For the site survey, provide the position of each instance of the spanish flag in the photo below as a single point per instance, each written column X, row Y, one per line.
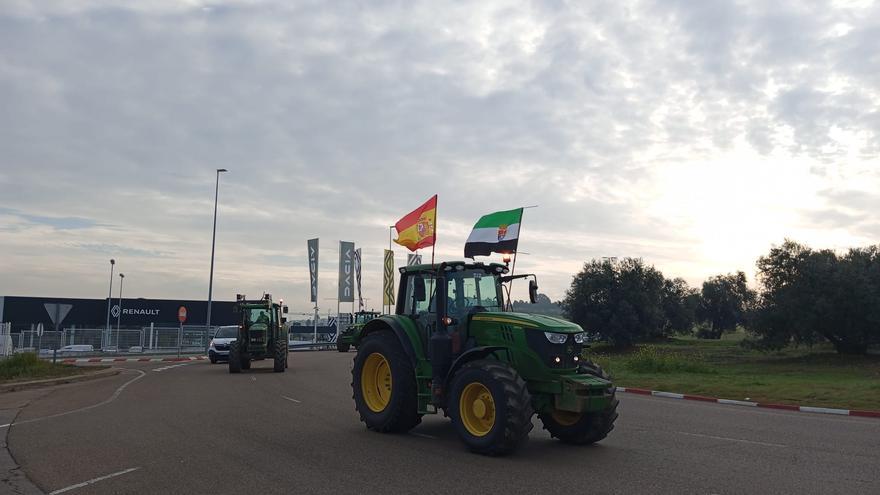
column 416, row 229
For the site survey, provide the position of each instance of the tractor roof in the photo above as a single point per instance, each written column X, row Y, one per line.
column 456, row 265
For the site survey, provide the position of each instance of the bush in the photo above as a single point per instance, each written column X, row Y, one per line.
column 648, row 359
column 28, row 365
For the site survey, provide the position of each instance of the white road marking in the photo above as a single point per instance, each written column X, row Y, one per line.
column 253, row 378
column 739, row 440
column 291, row 399
column 106, row 401
column 173, row 366
column 93, row 481
column 432, row 437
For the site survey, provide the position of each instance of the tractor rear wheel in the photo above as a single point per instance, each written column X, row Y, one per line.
column 583, row 428
column 384, row 384
column 234, row 358
column 490, row 407
column 280, row 356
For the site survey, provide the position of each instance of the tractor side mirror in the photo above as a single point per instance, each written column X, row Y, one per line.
column 283, row 320
column 533, row 291
column 419, row 289
column 284, row 309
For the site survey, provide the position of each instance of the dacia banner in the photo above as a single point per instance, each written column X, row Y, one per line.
column 346, row 271
column 413, row 259
column 388, row 279
column 357, row 277
column 313, row 269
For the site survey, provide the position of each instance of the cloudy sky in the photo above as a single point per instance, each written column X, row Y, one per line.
column 693, row 134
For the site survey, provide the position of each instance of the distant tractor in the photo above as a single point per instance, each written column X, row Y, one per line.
column 451, row 345
column 261, row 334
column 348, row 336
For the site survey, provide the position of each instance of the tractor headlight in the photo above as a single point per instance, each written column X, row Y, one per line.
column 556, row 338
column 580, row 338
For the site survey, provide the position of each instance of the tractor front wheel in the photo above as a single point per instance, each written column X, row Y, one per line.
column 582, row 428
column 384, row 384
column 280, row 356
column 342, row 347
column 234, row 358
column 490, row 407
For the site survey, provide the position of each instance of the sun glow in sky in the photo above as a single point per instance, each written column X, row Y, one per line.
column 694, row 135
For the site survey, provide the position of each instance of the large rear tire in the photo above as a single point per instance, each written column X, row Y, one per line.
column 280, row 356
column 583, row 428
column 384, row 384
column 234, row 358
column 490, row 407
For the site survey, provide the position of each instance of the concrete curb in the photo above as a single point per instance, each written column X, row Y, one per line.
column 131, row 360
column 12, row 387
column 731, row 402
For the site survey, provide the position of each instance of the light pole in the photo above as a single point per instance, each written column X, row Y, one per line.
column 119, row 315
column 213, row 243
column 109, row 298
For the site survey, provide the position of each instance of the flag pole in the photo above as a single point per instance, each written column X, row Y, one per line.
column 436, row 202
column 513, row 266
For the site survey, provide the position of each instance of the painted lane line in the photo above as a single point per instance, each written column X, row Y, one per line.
column 291, row 399
column 112, row 398
column 172, row 366
column 423, row 435
column 728, row 439
column 93, row 481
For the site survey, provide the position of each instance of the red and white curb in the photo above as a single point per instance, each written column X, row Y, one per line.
column 784, row 407
column 132, row 360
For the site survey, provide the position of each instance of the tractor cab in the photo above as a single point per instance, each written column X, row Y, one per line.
column 261, row 333
column 449, row 295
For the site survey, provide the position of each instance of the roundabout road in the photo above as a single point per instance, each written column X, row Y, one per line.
column 194, row 428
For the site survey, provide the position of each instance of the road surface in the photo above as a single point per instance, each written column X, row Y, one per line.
column 194, row 428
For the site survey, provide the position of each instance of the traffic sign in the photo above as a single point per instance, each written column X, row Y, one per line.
column 181, row 314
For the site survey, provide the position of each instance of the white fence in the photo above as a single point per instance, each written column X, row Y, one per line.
column 187, row 339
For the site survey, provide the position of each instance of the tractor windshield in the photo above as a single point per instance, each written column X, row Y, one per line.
column 470, row 290
column 261, row 316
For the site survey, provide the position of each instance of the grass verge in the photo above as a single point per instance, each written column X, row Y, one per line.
column 722, row 368
column 27, row 366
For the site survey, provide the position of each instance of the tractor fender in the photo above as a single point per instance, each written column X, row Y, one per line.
column 384, row 323
column 471, row 355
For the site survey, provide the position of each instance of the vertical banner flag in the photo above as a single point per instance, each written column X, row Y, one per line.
column 388, row 279
column 496, row 232
column 413, row 259
column 313, row 269
column 416, row 229
column 346, row 271
column 357, row 278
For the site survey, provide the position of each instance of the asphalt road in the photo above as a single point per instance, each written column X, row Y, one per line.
column 194, row 428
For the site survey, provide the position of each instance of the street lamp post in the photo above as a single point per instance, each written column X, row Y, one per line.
column 109, row 299
column 119, row 316
column 213, row 243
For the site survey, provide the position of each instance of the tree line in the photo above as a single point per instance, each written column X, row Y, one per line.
column 803, row 297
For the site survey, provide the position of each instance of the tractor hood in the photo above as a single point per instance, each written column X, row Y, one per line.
column 529, row 321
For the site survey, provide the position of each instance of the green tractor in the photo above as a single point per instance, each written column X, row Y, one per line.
column 261, row 334
column 451, row 345
column 348, row 336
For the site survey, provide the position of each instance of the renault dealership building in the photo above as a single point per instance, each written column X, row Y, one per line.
column 58, row 313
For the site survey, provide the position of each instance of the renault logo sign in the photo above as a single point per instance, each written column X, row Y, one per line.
column 115, row 311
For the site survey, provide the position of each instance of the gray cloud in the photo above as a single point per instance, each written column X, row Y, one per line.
column 336, row 119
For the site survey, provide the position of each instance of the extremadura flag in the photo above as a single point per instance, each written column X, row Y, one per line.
column 496, row 232
column 417, row 229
